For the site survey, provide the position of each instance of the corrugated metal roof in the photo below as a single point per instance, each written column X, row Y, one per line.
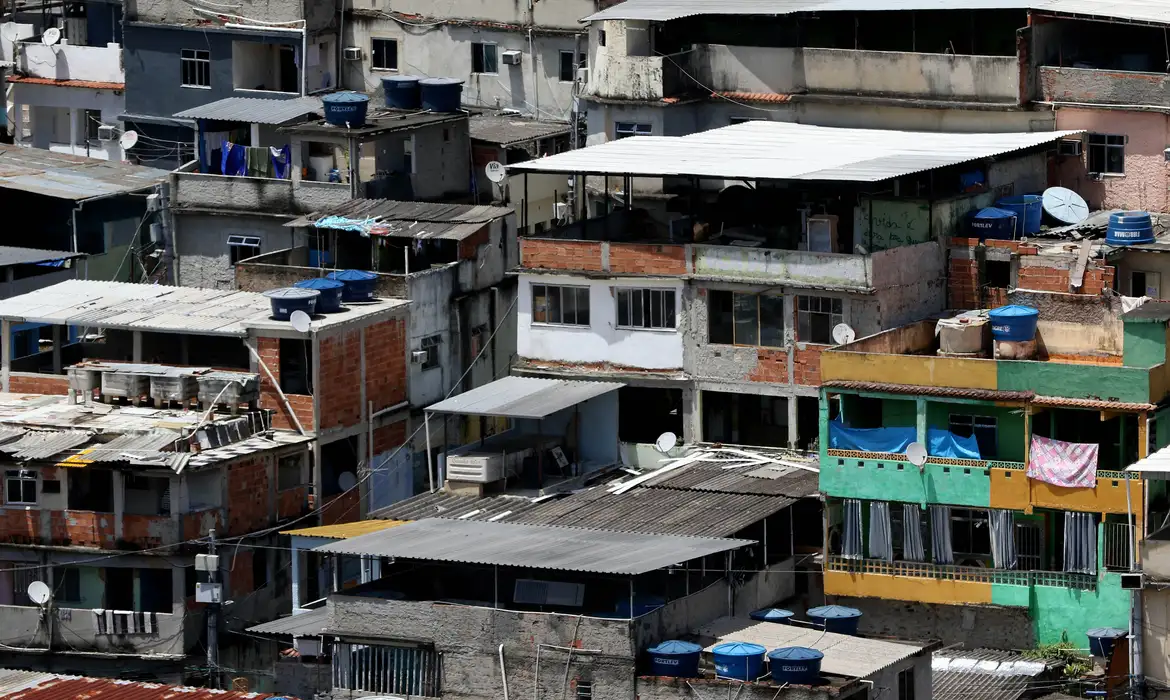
column 845, row 655
column 343, row 531
column 710, row 475
column 306, row 624
column 917, row 390
column 661, row 10
column 70, row 177
column 137, row 444
column 42, row 444
column 508, row 131
column 532, row 546
column 412, row 219
column 522, row 397
column 59, row 687
column 767, row 150
column 987, row 674
column 441, row 504
column 14, row 680
column 1157, row 462
column 656, row 511
column 10, row 255
column 254, row 110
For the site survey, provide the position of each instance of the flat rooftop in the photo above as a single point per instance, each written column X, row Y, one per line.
column 378, row 122
column 71, row 177
column 418, row 220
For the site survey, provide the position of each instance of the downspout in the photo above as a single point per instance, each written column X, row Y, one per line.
column 503, row 672
column 535, row 86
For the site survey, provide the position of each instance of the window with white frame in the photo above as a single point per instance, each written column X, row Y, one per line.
column 983, row 428
column 624, row 130
column 243, row 247
column 384, row 54
column 196, row 68
column 645, row 308
column 816, row 317
column 1107, row 154
column 20, row 487
column 484, row 58
column 567, row 306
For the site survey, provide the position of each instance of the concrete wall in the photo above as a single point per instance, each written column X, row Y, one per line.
column 203, row 253
column 911, row 283
column 63, row 61
column 564, row 15
column 1136, row 260
column 626, row 68
column 973, row 626
column 223, row 193
column 1155, row 641
column 1104, row 87
column 1146, row 182
column 110, row 103
column 317, row 14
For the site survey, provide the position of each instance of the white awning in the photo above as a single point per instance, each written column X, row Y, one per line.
column 523, row 397
column 1155, row 466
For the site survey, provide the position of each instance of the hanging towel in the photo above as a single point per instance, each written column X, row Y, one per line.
column 851, row 539
column 881, row 544
column 1068, row 464
column 259, row 161
column 234, row 160
column 912, row 549
column 1003, row 538
column 280, row 160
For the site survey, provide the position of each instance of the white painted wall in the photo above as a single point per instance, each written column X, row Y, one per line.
column 62, row 61
column 44, row 103
column 602, row 341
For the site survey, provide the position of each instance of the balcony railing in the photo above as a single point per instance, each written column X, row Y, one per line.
column 967, row 463
column 971, row 574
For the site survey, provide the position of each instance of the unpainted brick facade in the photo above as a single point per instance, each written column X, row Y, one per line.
column 970, row 288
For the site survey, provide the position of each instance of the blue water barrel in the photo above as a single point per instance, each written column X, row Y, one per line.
column 993, row 223
column 1102, row 640
column 1013, row 322
column 642, row 604
column 836, row 618
column 286, row 300
column 401, row 91
column 359, row 284
column 795, row 665
column 1129, row 227
column 441, row 94
column 1029, row 211
column 346, row 109
column 675, row 658
column 771, row 615
column 330, row 300
column 738, row 660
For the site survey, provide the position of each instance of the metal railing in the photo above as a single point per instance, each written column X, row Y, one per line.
column 1116, row 545
column 973, row 574
column 953, row 462
column 410, row 671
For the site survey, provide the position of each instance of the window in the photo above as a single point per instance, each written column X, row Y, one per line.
column 50, row 486
column 68, row 584
column 91, row 489
column 289, row 472
column 1107, row 154
column 430, row 345
column 745, row 319
column 93, row 120
column 970, row 533
column 567, row 306
column 645, row 308
column 568, row 69
column 601, row 37
column 999, row 274
column 384, row 54
column 484, row 58
column 296, row 368
column 20, row 487
column 1147, row 284
column 982, row 427
column 815, row 319
column 196, row 68
column 243, row 247
column 584, row 690
column 898, row 529
column 906, row 684
column 1029, row 544
column 622, row 130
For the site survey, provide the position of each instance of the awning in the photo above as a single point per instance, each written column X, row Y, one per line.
column 523, row 397
column 532, row 546
column 1155, row 466
column 344, row 531
column 308, row 624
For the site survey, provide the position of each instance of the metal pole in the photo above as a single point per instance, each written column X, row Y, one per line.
column 631, row 597
column 430, row 463
column 212, row 619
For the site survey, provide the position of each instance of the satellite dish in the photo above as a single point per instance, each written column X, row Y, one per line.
column 495, row 171
column 346, row 481
column 128, row 140
column 39, row 592
column 1064, row 205
column 300, row 321
column 51, row 36
column 666, row 442
column 843, row 333
column 916, row 453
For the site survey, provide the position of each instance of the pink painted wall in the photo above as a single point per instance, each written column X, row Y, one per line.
column 1146, row 181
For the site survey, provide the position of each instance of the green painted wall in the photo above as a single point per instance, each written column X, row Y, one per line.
column 874, row 479
column 1129, row 384
column 899, row 414
column 1145, row 344
column 1009, row 425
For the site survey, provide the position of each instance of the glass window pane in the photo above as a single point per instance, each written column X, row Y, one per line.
column 582, row 306
column 568, row 305
column 623, row 307
column 489, row 59
column 654, row 303
column 747, row 319
column 772, row 321
column 539, row 303
column 668, row 309
column 555, row 314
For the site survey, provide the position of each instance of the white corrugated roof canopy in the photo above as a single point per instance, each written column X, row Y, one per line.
column 523, row 397
column 765, row 150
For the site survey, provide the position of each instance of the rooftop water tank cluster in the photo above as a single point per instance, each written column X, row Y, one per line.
column 414, row 93
column 322, row 295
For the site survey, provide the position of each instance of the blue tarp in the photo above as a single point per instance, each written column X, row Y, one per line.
column 943, row 443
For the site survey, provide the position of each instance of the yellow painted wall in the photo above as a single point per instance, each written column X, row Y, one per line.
column 1105, row 498
column 908, row 369
column 1009, row 489
column 920, row 590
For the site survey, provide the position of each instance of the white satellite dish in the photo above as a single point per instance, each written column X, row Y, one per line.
column 495, row 171
column 51, row 36
column 346, row 481
column 128, row 140
column 300, row 321
column 666, row 442
column 916, row 453
column 843, row 333
column 39, row 592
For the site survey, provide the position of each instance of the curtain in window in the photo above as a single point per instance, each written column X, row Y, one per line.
column 1080, row 543
column 881, row 544
column 1003, row 538
column 851, row 541
column 940, row 535
column 912, row 549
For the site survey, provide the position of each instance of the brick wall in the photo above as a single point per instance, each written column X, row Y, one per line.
column 1097, row 280
column 27, row 383
column 963, row 285
column 806, row 365
column 148, row 530
column 20, row 526
column 389, row 437
column 248, row 491
column 1042, row 279
column 343, row 508
column 545, row 254
column 196, row 525
column 385, row 363
column 771, row 366
column 292, row 502
column 468, row 246
column 339, row 380
column 79, row 528
column 647, row 259
column 269, row 351
column 240, row 581
column 1040, row 273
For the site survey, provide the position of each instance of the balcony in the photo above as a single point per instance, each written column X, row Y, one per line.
column 228, row 193
column 80, row 630
column 96, row 64
column 1104, row 87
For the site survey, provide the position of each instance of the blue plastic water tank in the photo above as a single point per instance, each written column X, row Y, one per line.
column 359, row 284
column 401, row 91
column 1129, row 227
column 772, row 615
column 441, row 94
column 286, row 300
column 993, row 223
column 675, row 658
column 1102, row 640
column 836, row 618
column 739, row 660
column 330, row 300
column 795, row 665
column 1029, row 211
column 642, row 604
column 1013, row 322
column 346, row 109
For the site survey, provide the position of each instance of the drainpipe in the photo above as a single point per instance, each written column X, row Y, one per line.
column 535, row 86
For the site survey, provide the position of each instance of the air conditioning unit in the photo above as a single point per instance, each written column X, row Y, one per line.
column 1131, row 581
column 583, row 75
column 352, row 53
column 1069, row 147
column 418, row 356
column 107, row 133
column 512, row 58
column 561, row 210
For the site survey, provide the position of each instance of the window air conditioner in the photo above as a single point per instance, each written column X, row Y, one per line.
column 583, row 75
column 352, row 53
column 107, row 133
column 418, row 356
column 512, row 58
column 1069, row 147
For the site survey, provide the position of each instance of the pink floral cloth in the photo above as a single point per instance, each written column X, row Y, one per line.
column 1069, row 464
